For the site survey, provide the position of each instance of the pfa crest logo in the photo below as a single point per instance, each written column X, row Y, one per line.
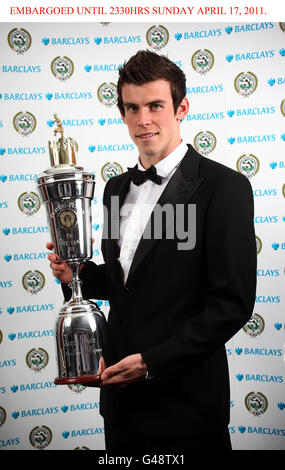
column 258, row 244
column 157, row 37
column 282, row 107
column 29, row 203
column 246, row 83
column 202, row 61
column 107, row 94
column 40, row 437
column 2, row 416
column 37, row 359
column 205, row 142
column 255, row 326
column 256, row 403
column 24, row 123
column 62, row 68
column 111, row 169
column 248, row 165
column 19, row 40
column 33, row 281
column 77, row 388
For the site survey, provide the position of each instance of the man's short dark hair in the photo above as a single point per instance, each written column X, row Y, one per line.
column 147, row 66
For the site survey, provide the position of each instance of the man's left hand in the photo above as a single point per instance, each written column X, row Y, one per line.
column 128, row 370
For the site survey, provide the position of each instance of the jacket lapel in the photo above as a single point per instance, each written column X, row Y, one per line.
column 179, row 190
column 112, row 218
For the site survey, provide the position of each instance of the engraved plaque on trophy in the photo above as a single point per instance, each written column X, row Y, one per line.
column 67, row 192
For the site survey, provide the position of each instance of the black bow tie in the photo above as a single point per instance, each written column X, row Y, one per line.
column 138, row 177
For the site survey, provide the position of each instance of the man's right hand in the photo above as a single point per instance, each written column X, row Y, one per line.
column 60, row 270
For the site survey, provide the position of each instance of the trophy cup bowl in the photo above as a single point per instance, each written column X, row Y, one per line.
column 67, row 192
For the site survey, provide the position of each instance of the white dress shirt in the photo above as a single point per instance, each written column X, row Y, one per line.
column 139, row 204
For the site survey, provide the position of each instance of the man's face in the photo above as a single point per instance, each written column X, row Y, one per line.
column 152, row 124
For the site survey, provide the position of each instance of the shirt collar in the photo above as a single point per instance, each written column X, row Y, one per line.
column 165, row 166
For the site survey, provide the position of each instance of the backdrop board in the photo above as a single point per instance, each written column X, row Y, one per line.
column 236, row 89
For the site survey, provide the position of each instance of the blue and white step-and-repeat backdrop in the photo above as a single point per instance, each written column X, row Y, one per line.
column 236, row 89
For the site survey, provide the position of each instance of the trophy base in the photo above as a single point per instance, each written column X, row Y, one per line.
column 82, row 379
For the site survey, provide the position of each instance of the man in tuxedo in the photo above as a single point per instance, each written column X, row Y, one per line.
column 180, row 280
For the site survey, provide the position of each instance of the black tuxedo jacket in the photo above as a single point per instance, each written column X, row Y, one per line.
column 178, row 308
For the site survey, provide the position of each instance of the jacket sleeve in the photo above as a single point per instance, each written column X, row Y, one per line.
column 95, row 283
column 230, row 252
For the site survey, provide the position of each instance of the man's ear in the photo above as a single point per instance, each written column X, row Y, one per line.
column 182, row 109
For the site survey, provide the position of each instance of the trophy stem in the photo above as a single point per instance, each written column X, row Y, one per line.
column 76, row 284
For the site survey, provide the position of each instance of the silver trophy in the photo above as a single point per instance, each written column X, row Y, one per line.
column 67, row 191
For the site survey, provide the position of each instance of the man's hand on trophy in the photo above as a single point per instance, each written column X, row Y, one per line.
column 127, row 371
column 60, row 270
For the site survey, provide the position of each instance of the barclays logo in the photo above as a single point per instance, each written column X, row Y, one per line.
column 13, row 441
column 74, row 122
column 278, row 81
column 268, row 219
column 21, row 68
column 6, row 284
column 6, row 363
column 242, row 28
column 276, row 246
column 31, row 387
column 25, row 256
column 279, row 326
column 205, row 116
column 263, row 299
column 268, row 192
column 268, row 273
column 83, row 432
column 118, row 40
column 80, row 407
column 252, row 139
column 264, row 431
column 22, row 96
column 35, row 412
column 66, row 41
column 31, row 334
column 28, row 230
column 210, row 33
column 23, row 151
column 260, row 378
column 274, row 165
column 255, row 55
column 69, row 95
column 251, row 111
column 112, row 148
column 110, row 121
column 102, row 67
column 259, row 352
column 17, row 178
column 205, row 89
column 30, row 308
